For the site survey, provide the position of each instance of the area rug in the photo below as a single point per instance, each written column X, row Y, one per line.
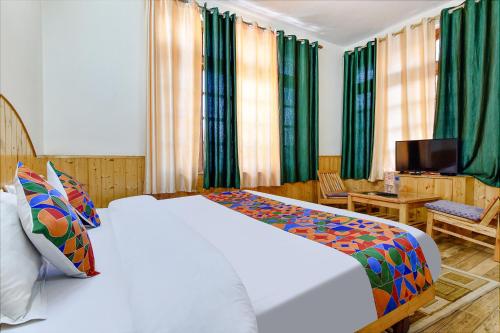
column 455, row 289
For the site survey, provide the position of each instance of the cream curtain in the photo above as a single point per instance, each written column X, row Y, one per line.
column 174, row 96
column 405, row 92
column 257, row 106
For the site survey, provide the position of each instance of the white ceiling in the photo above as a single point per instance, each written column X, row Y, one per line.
column 339, row 22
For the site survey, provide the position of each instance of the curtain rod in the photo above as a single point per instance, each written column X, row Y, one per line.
column 360, row 47
column 412, row 26
column 242, row 20
column 462, row 5
column 451, row 10
column 270, row 28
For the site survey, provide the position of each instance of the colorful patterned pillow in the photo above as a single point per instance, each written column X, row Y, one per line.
column 74, row 192
column 52, row 225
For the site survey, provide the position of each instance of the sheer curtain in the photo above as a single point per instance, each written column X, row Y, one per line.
column 405, row 92
column 257, row 106
column 174, row 96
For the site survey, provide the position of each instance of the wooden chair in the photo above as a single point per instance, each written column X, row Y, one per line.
column 331, row 189
column 481, row 227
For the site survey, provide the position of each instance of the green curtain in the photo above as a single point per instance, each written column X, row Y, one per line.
column 298, row 107
column 358, row 111
column 468, row 97
column 221, row 146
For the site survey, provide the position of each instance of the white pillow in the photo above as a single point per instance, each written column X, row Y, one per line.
column 22, row 295
column 11, row 188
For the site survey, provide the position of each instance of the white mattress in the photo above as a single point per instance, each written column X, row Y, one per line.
column 155, row 277
column 294, row 284
column 97, row 304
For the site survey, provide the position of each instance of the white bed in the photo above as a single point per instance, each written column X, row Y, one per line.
column 294, row 284
column 158, row 274
column 154, row 278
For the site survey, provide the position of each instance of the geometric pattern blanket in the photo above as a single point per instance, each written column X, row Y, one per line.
column 391, row 257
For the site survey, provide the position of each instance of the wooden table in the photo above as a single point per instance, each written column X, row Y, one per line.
column 403, row 202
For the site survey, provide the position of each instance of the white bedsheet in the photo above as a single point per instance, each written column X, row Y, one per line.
column 294, row 284
column 97, row 304
column 157, row 275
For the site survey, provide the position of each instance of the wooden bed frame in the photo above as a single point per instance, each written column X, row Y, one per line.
column 15, row 145
column 398, row 319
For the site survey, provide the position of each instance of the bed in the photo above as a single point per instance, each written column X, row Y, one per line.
column 288, row 283
column 192, row 265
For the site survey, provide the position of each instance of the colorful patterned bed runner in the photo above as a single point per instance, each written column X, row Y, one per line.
column 392, row 258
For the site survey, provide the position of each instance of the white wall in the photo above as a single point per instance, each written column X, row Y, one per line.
column 21, row 62
column 331, row 69
column 93, row 56
column 331, row 79
column 94, row 77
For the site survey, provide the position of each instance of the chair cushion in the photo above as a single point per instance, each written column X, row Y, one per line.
column 337, row 195
column 457, row 209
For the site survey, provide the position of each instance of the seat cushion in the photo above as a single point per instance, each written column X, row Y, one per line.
column 457, row 209
column 337, row 195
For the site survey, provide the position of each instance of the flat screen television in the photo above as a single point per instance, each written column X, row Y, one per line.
column 438, row 155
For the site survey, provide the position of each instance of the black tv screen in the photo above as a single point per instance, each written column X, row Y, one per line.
column 440, row 155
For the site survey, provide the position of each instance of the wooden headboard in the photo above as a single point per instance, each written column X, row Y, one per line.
column 15, row 142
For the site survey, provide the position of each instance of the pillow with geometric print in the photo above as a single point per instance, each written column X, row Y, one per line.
column 74, row 192
column 52, row 225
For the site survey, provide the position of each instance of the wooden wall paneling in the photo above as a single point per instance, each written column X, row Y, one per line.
column 407, row 184
column 82, row 171
column 21, row 156
column 95, row 181
column 484, row 194
column 330, row 163
column 131, row 177
column 110, row 177
column 363, row 185
column 463, row 189
column 424, row 186
column 490, row 193
column 107, row 181
column 443, row 188
column 119, row 178
column 11, row 156
column 469, row 190
column 141, row 170
column 459, row 190
column 67, row 165
column 40, row 165
column 480, row 194
column 3, row 142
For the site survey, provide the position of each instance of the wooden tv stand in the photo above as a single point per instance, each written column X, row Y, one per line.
column 455, row 188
